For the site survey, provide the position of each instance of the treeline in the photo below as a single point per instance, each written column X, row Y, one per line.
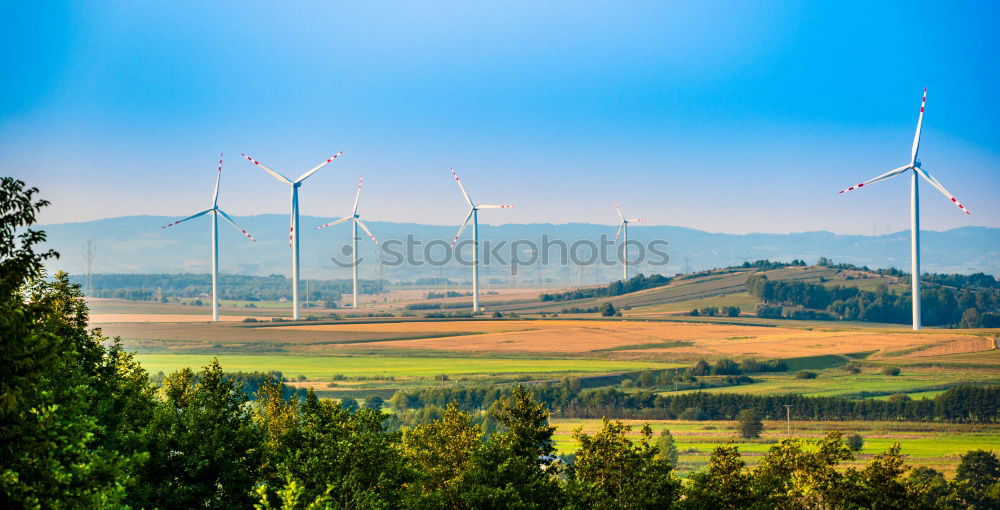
column 152, row 287
column 967, row 307
column 616, row 288
column 980, row 404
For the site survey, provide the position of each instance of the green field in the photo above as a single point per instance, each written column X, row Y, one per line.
column 325, row 367
column 936, row 445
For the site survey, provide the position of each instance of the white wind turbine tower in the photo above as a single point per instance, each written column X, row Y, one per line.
column 215, row 238
column 354, row 237
column 293, row 229
column 623, row 229
column 915, row 169
column 474, row 216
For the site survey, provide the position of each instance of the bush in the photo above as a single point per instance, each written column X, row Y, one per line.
column 726, row 366
column 249, row 319
column 374, row 402
column 805, row 374
column 700, row 368
column 607, row 309
column 732, row 311
column 768, row 311
column 891, row 371
column 750, row 424
column 853, row 367
column 441, row 377
column 694, row 312
column 710, row 311
column 855, row 442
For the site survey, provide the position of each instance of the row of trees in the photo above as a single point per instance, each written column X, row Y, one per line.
column 979, row 404
column 941, row 306
column 149, row 287
column 616, row 288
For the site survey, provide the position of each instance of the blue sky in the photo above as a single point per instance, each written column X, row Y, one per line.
column 722, row 116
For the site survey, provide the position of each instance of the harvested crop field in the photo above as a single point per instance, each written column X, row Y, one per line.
column 634, row 339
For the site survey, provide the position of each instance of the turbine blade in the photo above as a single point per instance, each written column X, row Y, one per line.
column 218, row 177
column 369, row 232
column 636, row 220
column 276, row 175
column 620, row 227
column 920, row 123
column 357, row 196
column 503, row 206
column 934, row 182
column 886, row 175
column 317, row 167
column 233, row 223
column 341, row 220
column 193, row 216
column 462, row 228
column 464, row 193
column 619, row 211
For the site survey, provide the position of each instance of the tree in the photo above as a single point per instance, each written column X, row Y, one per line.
column 607, row 309
column 700, row 368
column 374, row 403
column 979, row 469
column 723, row 485
column 750, row 425
column 970, row 319
column 613, row 472
column 204, row 445
column 441, row 454
column 515, row 468
column 891, row 371
column 855, row 442
column 70, row 407
column 726, row 366
column 667, row 448
column 733, row 311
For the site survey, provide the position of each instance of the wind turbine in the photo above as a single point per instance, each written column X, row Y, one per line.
column 623, row 229
column 915, row 168
column 354, row 238
column 474, row 216
column 215, row 237
column 293, row 229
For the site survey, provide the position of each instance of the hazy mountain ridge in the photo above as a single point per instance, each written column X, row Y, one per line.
column 137, row 244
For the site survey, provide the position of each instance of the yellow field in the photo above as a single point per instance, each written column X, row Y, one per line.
column 636, row 339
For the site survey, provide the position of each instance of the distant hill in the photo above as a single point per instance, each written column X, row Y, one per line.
column 137, row 244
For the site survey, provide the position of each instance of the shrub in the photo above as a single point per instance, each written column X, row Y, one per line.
column 768, row 311
column 853, row 367
column 726, row 366
column 249, row 319
column 693, row 312
column 733, row 311
column 607, row 309
column 855, row 442
column 891, row 371
column 441, row 377
column 700, row 368
column 710, row 311
column 750, row 424
column 805, row 374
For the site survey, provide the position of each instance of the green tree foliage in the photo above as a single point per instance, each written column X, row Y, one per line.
column 617, row 288
column 855, row 442
column 613, row 472
column 667, row 447
column 749, row 424
column 204, row 446
column 607, row 309
column 71, row 402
